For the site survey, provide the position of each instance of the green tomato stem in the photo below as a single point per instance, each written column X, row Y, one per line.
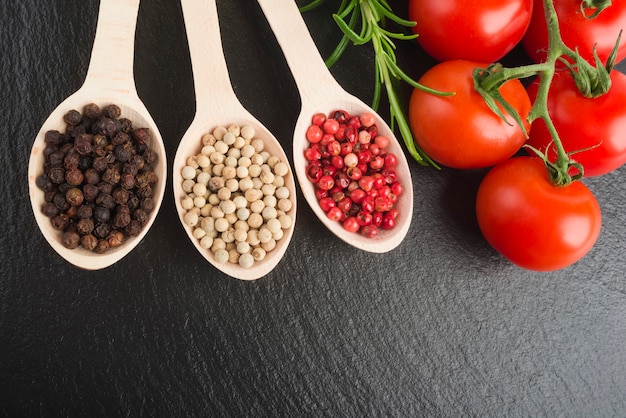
column 591, row 81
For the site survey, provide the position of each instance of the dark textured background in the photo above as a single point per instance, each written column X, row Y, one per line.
column 440, row 326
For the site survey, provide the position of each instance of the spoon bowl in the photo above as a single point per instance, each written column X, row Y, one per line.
column 109, row 80
column 218, row 106
column 320, row 93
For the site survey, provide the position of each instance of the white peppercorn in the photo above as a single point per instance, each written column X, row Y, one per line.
column 253, row 237
column 187, row 202
column 221, row 224
column 188, row 172
column 208, row 139
column 281, row 169
column 255, row 220
column 221, row 255
column 246, row 260
column 206, row 242
column 190, row 218
column 224, row 194
column 199, row 233
column 258, row 254
column 219, row 132
column 228, row 206
column 203, row 178
column 269, row 245
column 247, row 132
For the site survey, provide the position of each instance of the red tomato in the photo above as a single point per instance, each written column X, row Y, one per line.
column 577, row 31
column 597, row 126
column 483, row 30
column 531, row 222
column 460, row 131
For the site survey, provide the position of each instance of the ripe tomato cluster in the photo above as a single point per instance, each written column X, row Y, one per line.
column 522, row 213
column 353, row 171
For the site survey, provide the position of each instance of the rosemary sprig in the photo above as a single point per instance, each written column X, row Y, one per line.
column 365, row 23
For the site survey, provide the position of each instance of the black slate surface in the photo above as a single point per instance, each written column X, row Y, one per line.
column 440, row 326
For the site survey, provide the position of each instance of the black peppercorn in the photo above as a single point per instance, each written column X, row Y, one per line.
column 123, row 152
column 70, row 239
column 43, row 182
column 120, row 196
column 71, row 160
column 85, row 162
column 56, row 175
column 92, row 111
column 56, row 158
column 131, row 168
column 147, row 204
column 138, row 162
column 66, row 147
column 104, row 126
column 90, row 192
column 102, row 230
column 125, row 125
column 127, row 181
column 105, row 200
column 61, row 222
column 74, row 197
column 141, row 136
column 121, row 219
column 100, row 141
column 71, row 212
column 53, row 138
column 89, row 242
column 150, row 156
column 50, row 210
column 120, row 137
column 101, row 214
column 115, row 239
column 141, row 216
column 111, row 175
column 74, row 177
column 60, row 202
column 75, row 131
column 92, row 176
column 72, row 117
column 83, row 144
column 133, row 201
column 64, row 187
column 100, row 164
column 48, row 196
column 145, row 192
column 84, row 212
column 84, row 226
column 112, row 111
column 102, row 246
column 133, row 228
column 106, row 188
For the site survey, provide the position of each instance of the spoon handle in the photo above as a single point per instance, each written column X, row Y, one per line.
column 307, row 65
column 112, row 56
column 210, row 72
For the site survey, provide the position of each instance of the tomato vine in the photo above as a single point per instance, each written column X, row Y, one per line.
column 592, row 80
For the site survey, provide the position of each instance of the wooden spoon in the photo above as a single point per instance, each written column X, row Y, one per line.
column 320, row 92
column 217, row 105
column 109, row 80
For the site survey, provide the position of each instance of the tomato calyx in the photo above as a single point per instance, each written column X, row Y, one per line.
column 597, row 5
column 593, row 81
column 563, row 171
